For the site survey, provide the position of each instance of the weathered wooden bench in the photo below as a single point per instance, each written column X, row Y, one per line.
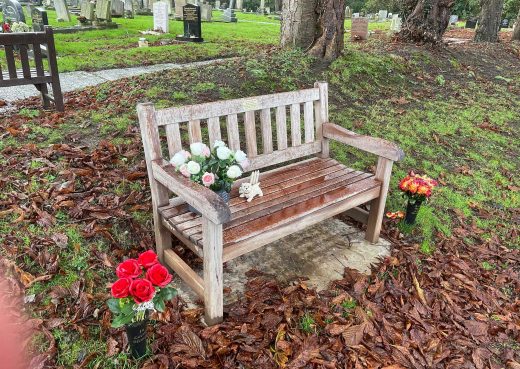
column 295, row 196
column 38, row 76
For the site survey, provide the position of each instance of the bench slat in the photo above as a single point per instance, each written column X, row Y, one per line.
column 281, row 156
column 281, row 127
column 38, row 60
column 173, row 137
column 219, row 108
column 267, row 134
column 16, row 81
column 214, row 130
column 25, row 61
column 250, row 129
column 11, row 67
column 232, row 132
column 194, row 131
column 296, row 132
column 308, row 119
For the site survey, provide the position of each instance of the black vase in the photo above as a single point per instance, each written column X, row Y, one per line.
column 136, row 333
column 222, row 193
column 412, row 209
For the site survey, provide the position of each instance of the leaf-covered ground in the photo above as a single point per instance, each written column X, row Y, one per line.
column 74, row 202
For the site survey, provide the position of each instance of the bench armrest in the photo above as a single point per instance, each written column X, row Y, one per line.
column 369, row 144
column 201, row 198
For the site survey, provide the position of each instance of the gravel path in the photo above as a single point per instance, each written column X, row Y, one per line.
column 77, row 80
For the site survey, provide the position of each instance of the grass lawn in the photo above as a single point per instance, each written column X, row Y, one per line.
column 103, row 49
column 74, row 197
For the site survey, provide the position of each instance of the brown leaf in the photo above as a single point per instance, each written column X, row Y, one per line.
column 192, row 341
column 309, row 351
column 353, row 335
column 112, row 347
column 60, row 239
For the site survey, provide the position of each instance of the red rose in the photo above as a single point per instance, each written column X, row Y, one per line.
column 142, row 290
column 147, row 259
column 159, row 275
column 120, row 287
column 128, row 269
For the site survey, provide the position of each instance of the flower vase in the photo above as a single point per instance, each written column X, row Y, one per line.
column 225, row 195
column 136, row 333
column 412, row 209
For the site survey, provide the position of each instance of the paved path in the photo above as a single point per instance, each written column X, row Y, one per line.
column 77, row 80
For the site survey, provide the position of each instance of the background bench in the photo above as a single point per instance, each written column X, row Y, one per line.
column 37, row 76
column 291, row 125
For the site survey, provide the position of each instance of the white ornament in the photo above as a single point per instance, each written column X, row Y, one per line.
column 251, row 189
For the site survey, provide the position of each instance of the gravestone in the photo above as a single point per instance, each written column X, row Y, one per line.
column 348, row 12
column 179, row 4
column 117, row 8
column 229, row 16
column 395, row 26
column 454, row 19
column 239, row 4
column 87, row 11
column 12, row 12
column 217, row 4
column 36, row 2
column 355, row 15
column 160, row 17
column 382, row 15
column 103, row 10
column 205, row 12
column 192, row 24
column 504, row 23
column 62, row 11
column 359, row 29
column 129, row 9
column 471, row 23
column 39, row 19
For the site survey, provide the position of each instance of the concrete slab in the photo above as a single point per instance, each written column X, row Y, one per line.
column 320, row 253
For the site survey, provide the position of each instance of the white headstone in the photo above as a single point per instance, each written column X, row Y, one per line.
column 160, row 17
column 205, row 12
column 395, row 26
column 178, row 8
column 355, row 15
column 217, row 4
column 382, row 15
column 62, row 11
column 454, row 19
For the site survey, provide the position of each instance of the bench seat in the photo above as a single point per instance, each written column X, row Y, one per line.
column 295, row 197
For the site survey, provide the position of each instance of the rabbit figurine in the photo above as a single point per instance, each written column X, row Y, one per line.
column 251, row 189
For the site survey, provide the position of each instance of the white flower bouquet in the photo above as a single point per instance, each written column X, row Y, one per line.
column 216, row 169
column 19, row 27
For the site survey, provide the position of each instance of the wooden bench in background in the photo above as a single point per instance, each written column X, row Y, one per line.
column 296, row 195
column 37, row 76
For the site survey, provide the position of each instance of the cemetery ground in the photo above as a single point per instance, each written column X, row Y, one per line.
column 75, row 202
column 117, row 48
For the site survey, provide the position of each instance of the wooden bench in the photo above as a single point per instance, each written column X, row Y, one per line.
column 38, row 76
column 295, row 196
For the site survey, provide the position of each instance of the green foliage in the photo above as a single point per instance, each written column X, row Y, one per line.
column 307, row 323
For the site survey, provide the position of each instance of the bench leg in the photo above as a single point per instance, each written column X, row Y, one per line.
column 44, row 92
column 57, row 95
column 213, row 270
column 377, row 206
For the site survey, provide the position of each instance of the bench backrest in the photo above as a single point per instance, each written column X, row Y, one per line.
column 27, row 75
column 271, row 129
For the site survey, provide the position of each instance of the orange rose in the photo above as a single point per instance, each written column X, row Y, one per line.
column 422, row 190
column 412, row 188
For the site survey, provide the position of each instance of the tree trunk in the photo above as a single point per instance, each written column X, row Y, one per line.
column 489, row 21
column 427, row 21
column 516, row 30
column 316, row 26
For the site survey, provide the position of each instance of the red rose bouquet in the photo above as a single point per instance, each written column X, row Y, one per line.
column 417, row 188
column 143, row 284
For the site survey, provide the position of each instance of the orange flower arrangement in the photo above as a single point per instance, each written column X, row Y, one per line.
column 417, row 187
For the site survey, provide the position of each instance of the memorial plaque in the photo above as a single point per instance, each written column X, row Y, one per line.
column 12, row 12
column 39, row 19
column 160, row 17
column 359, row 29
column 192, row 24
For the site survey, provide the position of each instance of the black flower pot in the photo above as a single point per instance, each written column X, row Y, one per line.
column 225, row 195
column 136, row 333
column 412, row 209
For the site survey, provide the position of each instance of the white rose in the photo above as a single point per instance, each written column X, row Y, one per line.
column 240, row 156
column 233, row 171
column 196, row 148
column 178, row 159
column 193, row 167
column 219, row 143
column 223, row 153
